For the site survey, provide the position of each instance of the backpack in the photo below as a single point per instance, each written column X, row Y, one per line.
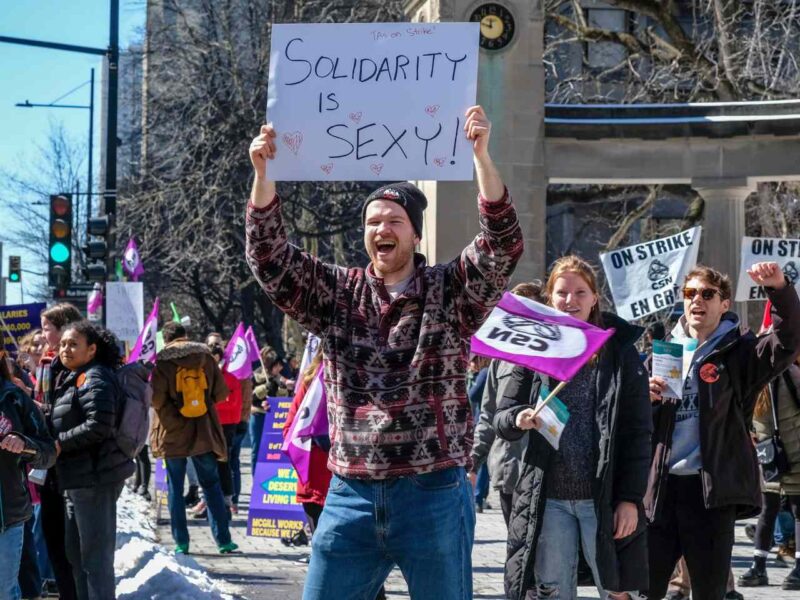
column 191, row 384
column 133, row 424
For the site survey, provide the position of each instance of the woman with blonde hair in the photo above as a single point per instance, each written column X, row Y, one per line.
column 590, row 490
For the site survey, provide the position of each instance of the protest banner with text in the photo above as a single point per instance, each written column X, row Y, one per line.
column 274, row 510
column 785, row 252
column 372, row 101
column 19, row 320
column 646, row 278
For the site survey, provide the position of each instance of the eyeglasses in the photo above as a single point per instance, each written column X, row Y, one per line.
column 706, row 294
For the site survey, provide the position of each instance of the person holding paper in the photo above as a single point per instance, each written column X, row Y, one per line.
column 395, row 337
column 704, row 473
column 590, row 490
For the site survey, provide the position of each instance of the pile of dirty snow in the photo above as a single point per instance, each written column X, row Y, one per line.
column 147, row 571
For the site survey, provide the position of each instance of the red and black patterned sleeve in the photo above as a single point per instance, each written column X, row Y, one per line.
column 485, row 266
column 299, row 284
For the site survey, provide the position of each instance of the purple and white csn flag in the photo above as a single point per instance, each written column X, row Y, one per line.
column 311, row 420
column 252, row 344
column 145, row 347
column 131, row 261
column 538, row 337
column 237, row 355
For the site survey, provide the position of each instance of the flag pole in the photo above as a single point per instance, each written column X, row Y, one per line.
column 550, row 396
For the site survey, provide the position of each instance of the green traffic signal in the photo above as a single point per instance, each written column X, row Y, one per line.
column 14, row 277
column 59, row 253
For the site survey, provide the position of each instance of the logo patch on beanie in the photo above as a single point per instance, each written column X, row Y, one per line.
column 390, row 194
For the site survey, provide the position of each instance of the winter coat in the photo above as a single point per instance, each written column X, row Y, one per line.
column 622, row 455
column 172, row 435
column 18, row 414
column 229, row 410
column 504, row 458
column 319, row 477
column 267, row 386
column 736, row 370
column 84, row 420
column 788, row 395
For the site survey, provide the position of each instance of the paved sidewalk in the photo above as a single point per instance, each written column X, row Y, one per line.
column 267, row 570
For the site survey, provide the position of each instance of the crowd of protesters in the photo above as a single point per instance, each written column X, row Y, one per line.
column 643, row 489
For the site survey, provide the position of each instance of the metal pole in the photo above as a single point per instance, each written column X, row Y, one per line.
column 110, row 191
column 89, row 183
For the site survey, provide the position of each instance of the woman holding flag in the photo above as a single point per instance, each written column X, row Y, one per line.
column 590, row 489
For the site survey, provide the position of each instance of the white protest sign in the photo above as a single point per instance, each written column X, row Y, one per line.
column 125, row 309
column 782, row 251
column 646, row 277
column 372, row 101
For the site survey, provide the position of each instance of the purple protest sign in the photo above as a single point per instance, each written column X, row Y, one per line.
column 145, row 347
column 237, row 355
column 310, row 420
column 538, row 337
column 274, row 510
column 132, row 261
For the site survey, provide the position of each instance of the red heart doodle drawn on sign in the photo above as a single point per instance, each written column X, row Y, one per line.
column 355, row 117
column 376, row 168
column 432, row 109
column 440, row 162
column 327, row 168
column 293, row 141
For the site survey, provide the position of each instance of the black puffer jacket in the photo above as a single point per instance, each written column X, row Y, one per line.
column 84, row 419
column 18, row 414
column 621, row 455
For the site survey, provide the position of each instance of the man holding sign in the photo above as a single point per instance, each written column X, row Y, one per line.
column 395, row 338
column 704, row 473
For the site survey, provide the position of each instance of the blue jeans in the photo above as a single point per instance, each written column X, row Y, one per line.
column 425, row 524
column 255, row 428
column 11, row 553
column 45, row 568
column 784, row 527
column 566, row 523
column 208, row 476
column 236, row 465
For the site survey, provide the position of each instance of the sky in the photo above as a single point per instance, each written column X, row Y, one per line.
column 41, row 75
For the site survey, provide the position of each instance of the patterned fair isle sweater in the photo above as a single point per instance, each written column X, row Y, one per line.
column 394, row 369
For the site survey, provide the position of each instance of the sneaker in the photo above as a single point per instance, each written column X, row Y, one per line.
column 182, row 549
column 733, row 595
column 676, row 595
column 753, row 577
column 303, row 560
column 228, row 548
column 203, row 514
column 750, row 531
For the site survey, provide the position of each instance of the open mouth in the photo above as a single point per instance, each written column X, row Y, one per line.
column 384, row 247
column 697, row 312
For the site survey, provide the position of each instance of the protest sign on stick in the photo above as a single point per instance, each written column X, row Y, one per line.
column 372, row 101
column 540, row 338
column 785, row 252
column 645, row 278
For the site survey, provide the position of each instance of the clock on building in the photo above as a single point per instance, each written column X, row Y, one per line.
column 497, row 25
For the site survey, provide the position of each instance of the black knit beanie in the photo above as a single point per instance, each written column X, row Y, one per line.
column 407, row 195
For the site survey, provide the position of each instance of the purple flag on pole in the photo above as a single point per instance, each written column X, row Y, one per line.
column 252, row 344
column 237, row 355
column 131, row 261
column 538, row 337
column 145, row 347
column 95, row 303
column 310, row 420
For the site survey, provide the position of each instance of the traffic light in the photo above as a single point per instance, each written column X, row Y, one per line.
column 97, row 249
column 59, row 255
column 14, row 269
